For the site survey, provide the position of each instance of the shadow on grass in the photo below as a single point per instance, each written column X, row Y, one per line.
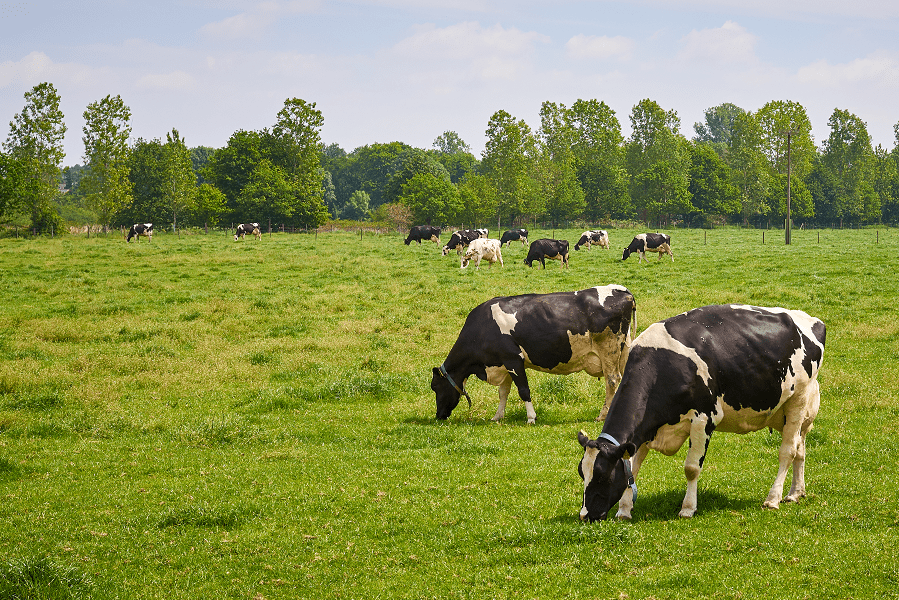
column 42, row 578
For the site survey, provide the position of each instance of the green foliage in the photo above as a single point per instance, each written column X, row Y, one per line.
column 431, row 199
column 356, row 207
column 711, row 189
column 180, row 182
column 508, row 165
column 105, row 183
column 35, row 143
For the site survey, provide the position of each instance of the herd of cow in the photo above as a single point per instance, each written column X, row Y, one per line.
column 474, row 245
column 731, row 368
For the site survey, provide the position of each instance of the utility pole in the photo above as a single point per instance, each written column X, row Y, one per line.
column 790, row 133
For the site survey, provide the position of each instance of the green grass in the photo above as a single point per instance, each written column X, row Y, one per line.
column 202, row 418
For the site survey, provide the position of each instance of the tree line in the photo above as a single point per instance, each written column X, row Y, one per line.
column 575, row 165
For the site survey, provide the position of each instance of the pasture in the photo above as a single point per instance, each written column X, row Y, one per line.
column 202, row 418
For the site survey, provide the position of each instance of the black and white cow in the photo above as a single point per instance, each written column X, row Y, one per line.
column 559, row 333
column 649, row 242
column 423, row 232
column 482, row 248
column 597, row 237
column 244, row 228
column 139, row 229
column 514, row 234
column 482, row 232
column 728, row 368
column 546, row 248
column 460, row 240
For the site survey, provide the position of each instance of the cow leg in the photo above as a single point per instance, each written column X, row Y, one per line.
column 516, row 372
column 626, row 504
column 504, row 387
column 797, row 489
column 499, row 255
column 699, row 443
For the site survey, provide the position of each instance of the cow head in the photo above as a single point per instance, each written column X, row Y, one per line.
column 627, row 252
column 447, row 395
column 605, row 478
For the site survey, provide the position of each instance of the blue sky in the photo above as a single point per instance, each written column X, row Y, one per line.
column 386, row 70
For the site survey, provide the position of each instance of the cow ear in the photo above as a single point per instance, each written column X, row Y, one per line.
column 628, row 449
column 437, row 372
column 582, row 438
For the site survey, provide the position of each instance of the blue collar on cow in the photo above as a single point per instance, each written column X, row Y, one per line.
column 627, row 465
column 461, row 390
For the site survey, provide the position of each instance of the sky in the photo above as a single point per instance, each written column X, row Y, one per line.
column 404, row 70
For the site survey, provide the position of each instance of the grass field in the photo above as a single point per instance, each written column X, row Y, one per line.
column 202, row 418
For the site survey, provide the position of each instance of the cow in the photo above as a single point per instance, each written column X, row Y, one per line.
column 460, row 240
column 244, row 228
column 139, row 229
column 598, row 237
column 514, row 234
column 546, row 248
column 423, row 232
column 483, row 248
column 559, row 333
column 733, row 368
column 651, row 242
column 482, row 232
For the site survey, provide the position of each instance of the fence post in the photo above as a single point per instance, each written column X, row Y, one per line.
column 705, row 236
column 763, row 237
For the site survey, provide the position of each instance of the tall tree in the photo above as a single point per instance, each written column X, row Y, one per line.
column 231, row 167
column 107, row 125
column 408, row 164
column 718, row 127
column 599, row 157
column 750, row 168
column 35, row 142
column 775, row 119
column 13, row 179
column 556, row 166
column 179, row 194
column 658, row 162
column 711, row 188
column 296, row 148
column 508, row 161
column 431, row 199
column 449, row 142
column 849, row 156
column 146, row 173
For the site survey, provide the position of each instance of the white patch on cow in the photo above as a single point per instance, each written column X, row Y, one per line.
column 587, row 463
column 656, row 336
column 504, row 320
column 606, row 291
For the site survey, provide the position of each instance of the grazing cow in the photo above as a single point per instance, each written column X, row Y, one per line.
column 731, row 368
column 460, row 240
column 649, row 242
column 559, row 333
column 244, row 228
column 598, row 237
column 514, row 234
column 483, row 248
column 139, row 229
column 482, row 232
column 546, row 248
column 423, row 232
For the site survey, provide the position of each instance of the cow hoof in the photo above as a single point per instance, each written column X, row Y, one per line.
column 532, row 421
column 623, row 516
column 686, row 513
column 772, row 504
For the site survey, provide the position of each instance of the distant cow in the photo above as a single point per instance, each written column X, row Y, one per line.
column 514, row 234
column 483, row 248
column 649, row 242
column 597, row 237
column 546, row 248
column 244, row 228
column 139, row 229
column 423, row 232
column 559, row 333
column 460, row 240
column 482, row 232
column 730, row 368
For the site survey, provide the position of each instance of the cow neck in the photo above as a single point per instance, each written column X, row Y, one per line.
column 627, row 465
column 460, row 386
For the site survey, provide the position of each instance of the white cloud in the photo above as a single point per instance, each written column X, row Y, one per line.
column 253, row 23
column 879, row 68
column 599, row 47
column 728, row 44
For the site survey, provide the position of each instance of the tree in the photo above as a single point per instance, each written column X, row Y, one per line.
column 477, row 199
column 356, row 209
column 329, row 195
column 230, row 168
column 268, row 194
column 367, row 168
column 508, row 163
column 599, row 159
column 210, row 204
column 557, row 168
column 775, row 119
column 711, row 188
column 449, row 142
column 408, row 164
column 35, row 143
column 718, row 127
column 431, row 199
column 146, row 174
column 13, row 180
column 199, row 156
column 107, row 188
column 849, row 156
column 750, row 168
column 658, row 162
column 179, row 193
